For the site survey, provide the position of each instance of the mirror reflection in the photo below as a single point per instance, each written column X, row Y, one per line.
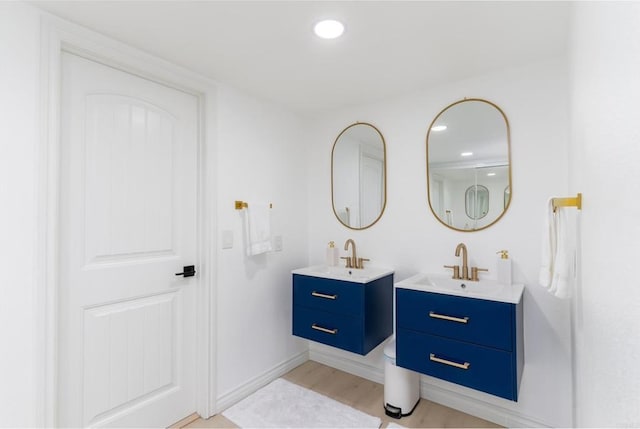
column 507, row 196
column 358, row 176
column 468, row 164
column 476, row 204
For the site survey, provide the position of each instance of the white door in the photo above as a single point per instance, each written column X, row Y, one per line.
column 126, row 325
column 371, row 187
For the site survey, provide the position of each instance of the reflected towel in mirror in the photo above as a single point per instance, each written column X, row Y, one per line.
column 345, row 216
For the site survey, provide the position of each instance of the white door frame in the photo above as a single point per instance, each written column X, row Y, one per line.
column 57, row 36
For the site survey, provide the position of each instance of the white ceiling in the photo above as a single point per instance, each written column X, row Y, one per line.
column 267, row 48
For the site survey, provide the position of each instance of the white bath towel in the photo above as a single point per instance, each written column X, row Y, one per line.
column 257, row 222
column 555, row 270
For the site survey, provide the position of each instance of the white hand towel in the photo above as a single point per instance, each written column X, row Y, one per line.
column 257, row 221
column 555, row 268
column 560, row 284
column 548, row 246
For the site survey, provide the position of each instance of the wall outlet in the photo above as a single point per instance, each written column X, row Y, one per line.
column 277, row 243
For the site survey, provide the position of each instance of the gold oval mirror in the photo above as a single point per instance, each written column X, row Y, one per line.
column 358, row 176
column 468, row 147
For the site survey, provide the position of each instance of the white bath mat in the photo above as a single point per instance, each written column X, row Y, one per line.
column 282, row 404
column 393, row 425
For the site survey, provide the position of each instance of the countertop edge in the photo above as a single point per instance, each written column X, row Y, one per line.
column 514, row 297
column 307, row 271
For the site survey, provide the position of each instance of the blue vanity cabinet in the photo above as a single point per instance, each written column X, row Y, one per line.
column 473, row 342
column 348, row 315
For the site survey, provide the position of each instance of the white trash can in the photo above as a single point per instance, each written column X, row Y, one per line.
column 401, row 386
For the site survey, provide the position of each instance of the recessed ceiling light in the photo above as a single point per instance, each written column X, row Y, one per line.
column 466, row 154
column 491, row 174
column 329, row 29
column 438, row 128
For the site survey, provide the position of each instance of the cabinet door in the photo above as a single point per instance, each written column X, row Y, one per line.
column 337, row 330
column 478, row 321
column 334, row 296
column 481, row 368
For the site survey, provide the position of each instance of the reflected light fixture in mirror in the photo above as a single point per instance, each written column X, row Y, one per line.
column 329, row 29
column 471, row 153
column 358, row 176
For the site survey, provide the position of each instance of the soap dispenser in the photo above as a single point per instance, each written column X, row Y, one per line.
column 503, row 267
column 332, row 255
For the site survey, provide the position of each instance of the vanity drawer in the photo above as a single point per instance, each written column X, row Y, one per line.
column 478, row 367
column 477, row 321
column 328, row 295
column 337, row 330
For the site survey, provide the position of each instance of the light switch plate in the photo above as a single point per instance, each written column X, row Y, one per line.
column 227, row 239
column 277, row 243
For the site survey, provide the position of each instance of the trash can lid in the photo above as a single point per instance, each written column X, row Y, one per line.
column 390, row 349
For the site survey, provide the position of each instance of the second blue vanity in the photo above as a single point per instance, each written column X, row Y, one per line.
column 348, row 309
column 459, row 332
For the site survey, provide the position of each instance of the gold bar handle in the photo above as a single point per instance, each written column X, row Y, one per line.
column 434, row 358
column 449, row 318
column 239, row 205
column 322, row 295
column 568, row 202
column 326, row 330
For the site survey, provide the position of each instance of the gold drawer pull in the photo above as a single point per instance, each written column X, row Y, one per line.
column 323, row 295
column 327, row 330
column 448, row 362
column 450, row 318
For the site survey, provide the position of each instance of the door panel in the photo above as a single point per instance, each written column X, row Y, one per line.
column 129, row 350
column 129, row 175
column 127, row 225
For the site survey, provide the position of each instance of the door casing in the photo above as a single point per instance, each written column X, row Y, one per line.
column 58, row 36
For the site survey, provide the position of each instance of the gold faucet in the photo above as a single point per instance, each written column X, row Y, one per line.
column 465, row 267
column 353, row 261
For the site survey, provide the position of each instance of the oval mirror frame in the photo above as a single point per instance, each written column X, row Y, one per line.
column 377, row 156
column 447, row 217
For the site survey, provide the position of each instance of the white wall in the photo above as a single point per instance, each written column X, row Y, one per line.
column 261, row 158
column 604, row 153
column 19, row 55
column 605, row 163
column 409, row 239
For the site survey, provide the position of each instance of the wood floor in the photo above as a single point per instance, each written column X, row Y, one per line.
column 365, row 396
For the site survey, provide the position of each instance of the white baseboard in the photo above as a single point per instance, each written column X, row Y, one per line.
column 476, row 407
column 437, row 394
column 345, row 364
column 228, row 399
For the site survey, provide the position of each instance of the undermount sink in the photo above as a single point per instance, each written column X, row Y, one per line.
column 361, row 275
column 447, row 283
column 482, row 289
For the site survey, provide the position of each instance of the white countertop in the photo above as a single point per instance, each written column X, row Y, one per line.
column 362, row 275
column 489, row 290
